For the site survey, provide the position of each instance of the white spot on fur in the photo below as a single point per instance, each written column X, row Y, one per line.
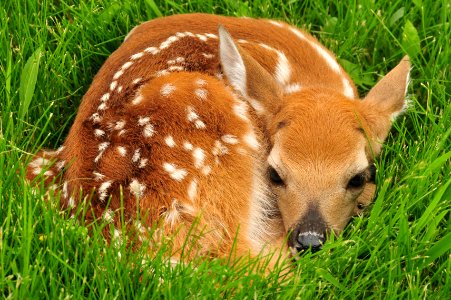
column 230, row 139
column 105, row 97
column 199, row 124
column 65, row 193
column 176, row 68
column 136, row 155
column 137, row 80
column 161, row 73
column 60, row 164
column 119, row 125
column 240, row 109
column 102, row 148
column 187, row 146
column 175, row 173
column 211, row 35
column 148, row 131
column 113, row 85
column 71, row 202
column 202, row 37
column 137, row 188
column 191, row 114
column 136, row 56
column 103, row 189
column 251, row 140
column 199, row 157
column 192, row 189
column 119, row 89
column 122, row 150
column 283, row 69
column 206, row 170
column 167, row 89
column 102, row 106
column 40, row 161
column 292, row 88
column 219, row 149
column 200, row 82
column 259, row 109
column 347, row 88
column 169, row 140
column 201, row 94
column 127, row 65
column 99, row 132
column 152, row 50
column 98, row 176
column 118, row 74
column 95, row 117
column 143, row 121
column 138, row 99
column 108, row 216
column 143, row 163
column 208, row 55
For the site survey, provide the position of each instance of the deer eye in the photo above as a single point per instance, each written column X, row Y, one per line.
column 357, row 181
column 274, row 177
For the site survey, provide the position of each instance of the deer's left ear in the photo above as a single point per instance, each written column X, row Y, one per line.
column 247, row 76
column 387, row 100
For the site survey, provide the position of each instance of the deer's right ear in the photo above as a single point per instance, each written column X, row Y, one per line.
column 247, row 76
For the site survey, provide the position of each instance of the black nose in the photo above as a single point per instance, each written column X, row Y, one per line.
column 310, row 240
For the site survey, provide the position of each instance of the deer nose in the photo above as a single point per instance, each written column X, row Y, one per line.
column 310, row 240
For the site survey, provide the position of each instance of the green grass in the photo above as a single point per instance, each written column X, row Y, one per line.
column 49, row 53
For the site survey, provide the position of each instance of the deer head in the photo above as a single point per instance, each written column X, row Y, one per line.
column 321, row 144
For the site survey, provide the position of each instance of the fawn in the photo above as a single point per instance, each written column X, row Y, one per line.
column 253, row 130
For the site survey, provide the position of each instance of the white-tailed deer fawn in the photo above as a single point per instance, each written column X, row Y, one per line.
column 260, row 136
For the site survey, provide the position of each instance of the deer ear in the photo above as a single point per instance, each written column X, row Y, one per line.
column 247, row 76
column 387, row 99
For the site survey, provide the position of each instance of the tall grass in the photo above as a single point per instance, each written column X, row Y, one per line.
column 49, row 53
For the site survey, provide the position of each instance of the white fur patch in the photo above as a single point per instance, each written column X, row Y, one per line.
column 347, row 88
column 108, row 216
column 199, row 157
column 206, row 170
column 137, row 188
column 113, row 85
column 169, row 140
column 136, row 56
column 292, row 88
column 127, row 65
column 187, row 146
column 118, row 74
column 103, row 189
column 143, row 121
column 174, row 172
column 105, row 97
column 99, row 132
column 230, row 139
column 167, row 89
column 136, row 155
column 251, row 140
column 148, row 131
column 138, row 99
column 283, row 69
column 201, row 94
column 122, row 150
column 152, row 50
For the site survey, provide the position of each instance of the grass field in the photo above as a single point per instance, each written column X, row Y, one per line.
column 49, row 53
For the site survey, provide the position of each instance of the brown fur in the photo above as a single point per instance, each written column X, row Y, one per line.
column 322, row 134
